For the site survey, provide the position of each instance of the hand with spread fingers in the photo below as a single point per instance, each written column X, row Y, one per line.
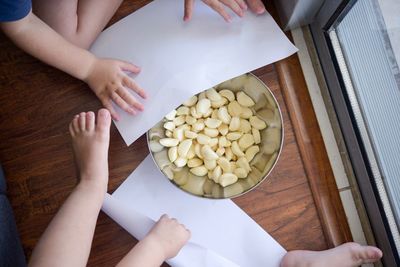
column 237, row 6
column 109, row 81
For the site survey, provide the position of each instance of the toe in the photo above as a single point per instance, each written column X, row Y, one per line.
column 90, row 121
column 71, row 129
column 82, row 121
column 75, row 124
column 103, row 120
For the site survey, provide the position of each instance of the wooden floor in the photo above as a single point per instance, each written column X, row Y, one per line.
column 297, row 204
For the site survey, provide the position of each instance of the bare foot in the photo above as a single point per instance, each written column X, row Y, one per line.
column 90, row 140
column 346, row 255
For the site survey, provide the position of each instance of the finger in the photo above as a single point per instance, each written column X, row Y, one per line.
column 256, row 6
column 164, row 217
column 242, row 4
column 121, row 103
column 107, row 104
column 218, row 7
column 82, row 121
column 130, row 83
column 127, row 66
column 188, row 10
column 129, row 99
column 234, row 6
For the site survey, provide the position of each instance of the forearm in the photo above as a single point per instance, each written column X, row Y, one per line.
column 146, row 253
column 67, row 240
column 38, row 39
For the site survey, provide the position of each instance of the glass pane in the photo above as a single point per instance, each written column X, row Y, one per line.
column 368, row 40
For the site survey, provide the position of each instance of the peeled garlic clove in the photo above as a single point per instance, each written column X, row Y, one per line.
column 227, row 179
column 208, row 113
column 213, row 142
column 203, row 106
column 222, row 141
column 251, row 152
column 194, row 162
column 257, row 123
column 223, row 129
column 228, row 153
column 194, row 113
column 219, row 103
column 169, row 142
column 243, row 163
column 169, row 125
column 198, row 126
column 208, row 153
column 203, row 139
column 256, row 135
column 210, row 164
column 214, row 114
column 246, row 113
column 178, row 134
column 173, row 153
column 236, row 149
column 162, row 159
column 155, row 146
column 212, row 123
column 211, row 132
column 190, row 120
column 170, row 116
column 202, row 95
column 233, row 136
column 234, row 109
column 168, row 133
column 245, row 126
column 191, row 154
column 179, row 120
column 223, row 115
column 228, row 94
column 199, row 171
column 240, row 172
column 213, row 95
column 182, row 111
column 235, row 124
column 224, row 164
column 244, row 100
column 197, row 151
column 180, row 162
column 220, row 151
column 246, row 141
column 184, row 147
column 190, row 134
column 216, row 173
column 191, row 101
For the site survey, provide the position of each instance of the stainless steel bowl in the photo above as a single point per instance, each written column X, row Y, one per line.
column 267, row 109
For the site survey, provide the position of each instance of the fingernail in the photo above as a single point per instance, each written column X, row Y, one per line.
column 132, row 111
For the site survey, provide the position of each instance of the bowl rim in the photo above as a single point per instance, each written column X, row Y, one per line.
column 261, row 180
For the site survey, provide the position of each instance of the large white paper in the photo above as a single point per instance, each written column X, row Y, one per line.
column 179, row 59
column 217, row 225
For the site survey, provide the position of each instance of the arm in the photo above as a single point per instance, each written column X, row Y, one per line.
column 105, row 77
column 67, row 239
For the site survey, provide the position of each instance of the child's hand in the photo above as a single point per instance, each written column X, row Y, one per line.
column 169, row 235
column 109, row 82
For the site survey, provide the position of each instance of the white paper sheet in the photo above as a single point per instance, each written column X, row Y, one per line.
column 179, row 59
column 218, row 225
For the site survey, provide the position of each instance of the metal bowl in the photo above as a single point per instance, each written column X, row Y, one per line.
column 267, row 109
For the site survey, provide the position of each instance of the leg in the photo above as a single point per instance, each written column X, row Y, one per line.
column 346, row 255
column 67, row 239
column 79, row 21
